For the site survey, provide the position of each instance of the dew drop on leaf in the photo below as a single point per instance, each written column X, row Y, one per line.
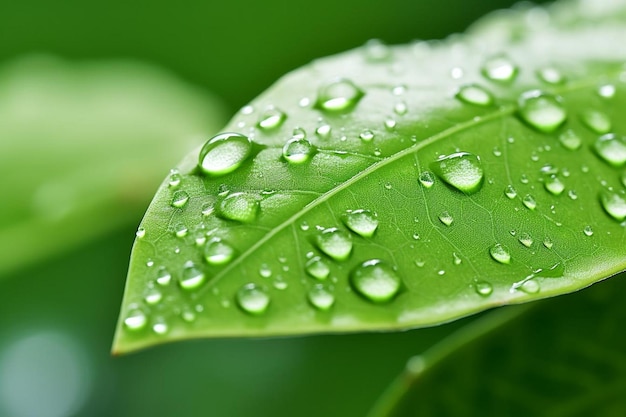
column 525, row 239
column 135, row 319
column 366, row 135
column 323, row 131
column 542, row 111
column 241, row 207
column 550, row 75
column 153, row 296
column 191, row 277
column 335, row 243
column 141, row 233
column 614, row 204
column 612, row 149
column 317, row 268
column 321, row 297
column 606, row 91
column 529, row 201
column 475, row 94
column 427, row 179
column 338, row 96
column 599, row 122
column 271, row 118
column 500, row 253
column 446, row 218
column 570, row 140
column 461, row 170
column 375, row 280
column 548, row 243
column 510, row 192
column 297, row 150
column 253, row 299
column 483, row 288
column 224, row 153
column 160, row 326
column 163, row 276
column 218, row 252
column 588, row 231
column 362, row 222
column 530, row 286
column 175, row 179
column 554, row 185
column 400, row 108
column 376, row 51
column 500, row 68
column 179, row 199
column 180, row 230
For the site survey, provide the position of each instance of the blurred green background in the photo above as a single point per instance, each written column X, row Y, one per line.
column 58, row 313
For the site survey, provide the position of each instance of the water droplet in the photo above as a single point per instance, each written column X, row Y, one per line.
column 588, row 231
column 321, row 297
column 497, row 151
column 367, row 135
column 542, row 111
column 606, row 91
column 141, row 232
column 510, row 192
column 180, row 230
column 456, row 73
column 554, row 185
column 188, row 315
column 179, row 199
column 612, row 149
column 160, row 326
column 398, row 90
column 217, row 252
column 597, row 121
column 335, row 243
column 500, row 253
column 241, row 207
column 280, row 284
column 375, row 280
column 192, row 277
column 253, row 299
column 530, row 202
column 153, row 296
column 299, row 133
column 548, row 243
column 550, row 75
column 525, row 239
column 224, row 153
column 362, row 222
column 163, row 276
column 388, row 186
column 456, row 259
column 323, row 131
column 338, row 96
column 400, row 108
column 572, row 194
column 500, row 68
column 483, row 288
column 446, row 218
column 475, row 94
column 317, row 268
column 570, row 140
column 376, row 51
column 614, row 204
column 461, row 170
column 427, row 179
column 175, row 179
column 247, row 110
column 390, row 124
column 135, row 319
column 297, row 150
column 530, row 286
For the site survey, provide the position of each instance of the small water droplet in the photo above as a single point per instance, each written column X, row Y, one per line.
column 280, row 284
column 366, row 135
column 550, row 75
column 570, row 140
column 188, row 315
column 572, row 194
column 265, row 271
column 335, row 243
column 153, row 296
column 297, row 150
column 160, row 326
column 179, row 199
column 530, row 202
column 475, row 94
column 141, row 233
column 614, row 204
column 525, row 239
column 207, row 209
column 456, row 73
column 400, row 108
column 461, row 170
column 599, row 122
column 135, row 319
column 524, row 179
column 339, row 95
column 224, row 153
column 323, row 131
column 317, row 268
column 375, row 280
column 456, row 259
column 398, row 90
column 304, row 226
column 500, row 253
column 612, row 149
column 271, row 118
column 548, row 243
column 446, row 218
column 175, row 179
column 163, row 276
column 542, row 111
column 427, row 179
column 241, row 207
column 483, row 288
column 588, row 231
column 253, row 299
column 321, row 297
column 388, row 186
column 362, row 222
column 554, row 185
column 497, row 151
column 191, row 277
column 530, row 286
column 299, row 133
column 180, row 230
column 390, row 124
column 217, row 252
column 510, row 192
column 500, row 69
column 606, row 91
column 247, row 110
column 376, row 51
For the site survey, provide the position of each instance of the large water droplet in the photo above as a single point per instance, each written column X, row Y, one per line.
column 542, row 111
column 362, row 222
column 550, row 75
column 271, row 118
column 253, row 299
column 135, row 319
column 483, row 288
column 321, row 297
column 427, row 179
column 217, row 252
column 500, row 68
column 224, row 153
column 500, row 253
column 375, row 280
column 461, row 170
column 179, row 199
column 297, row 150
column 338, row 96
column 335, row 243
column 241, row 207
column 612, row 149
column 597, row 121
column 475, row 94
column 614, row 204
column 570, row 140
column 317, row 268
column 191, row 277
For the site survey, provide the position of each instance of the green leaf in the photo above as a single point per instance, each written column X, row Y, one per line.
column 562, row 358
column 397, row 187
column 83, row 146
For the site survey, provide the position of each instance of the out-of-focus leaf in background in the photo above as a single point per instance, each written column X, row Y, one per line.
column 83, row 145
